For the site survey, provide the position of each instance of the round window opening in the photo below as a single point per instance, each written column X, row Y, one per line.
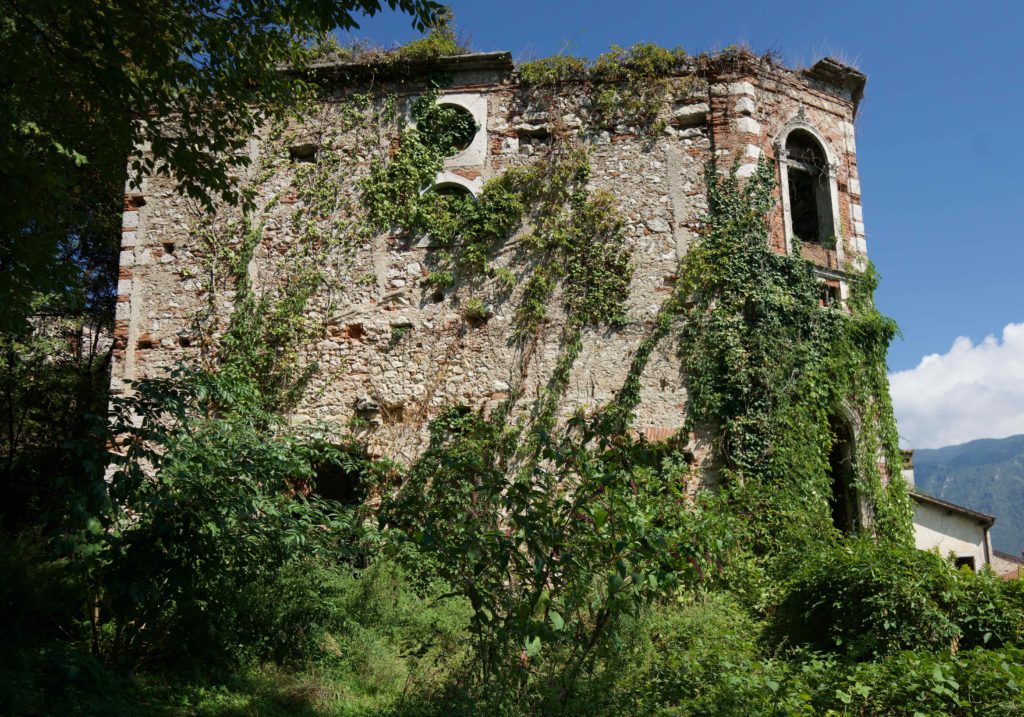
column 454, row 126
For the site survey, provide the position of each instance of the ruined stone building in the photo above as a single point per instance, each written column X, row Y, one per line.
column 394, row 349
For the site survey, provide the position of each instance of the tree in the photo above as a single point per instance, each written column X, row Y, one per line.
column 86, row 82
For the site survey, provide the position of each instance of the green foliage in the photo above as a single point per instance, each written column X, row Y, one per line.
column 267, row 329
column 770, row 371
column 575, row 237
column 393, row 193
column 77, row 105
column 440, row 41
column 553, row 70
column 193, row 535
column 474, row 310
column 391, row 633
column 398, row 333
column 625, row 85
column 698, row 656
column 52, row 377
column 551, row 556
column 375, row 636
column 527, row 563
column 976, row 682
column 863, row 598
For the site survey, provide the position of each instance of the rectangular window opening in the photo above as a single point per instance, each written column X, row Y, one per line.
column 967, row 560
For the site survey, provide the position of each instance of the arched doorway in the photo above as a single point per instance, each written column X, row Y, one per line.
column 842, row 471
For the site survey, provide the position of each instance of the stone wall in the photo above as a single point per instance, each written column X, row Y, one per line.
column 393, row 351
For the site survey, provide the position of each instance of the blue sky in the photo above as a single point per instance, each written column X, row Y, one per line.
column 939, row 143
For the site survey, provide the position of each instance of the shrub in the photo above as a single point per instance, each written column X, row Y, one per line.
column 198, row 539
column 681, row 650
column 864, row 598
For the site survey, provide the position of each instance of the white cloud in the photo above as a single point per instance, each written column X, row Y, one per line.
column 971, row 391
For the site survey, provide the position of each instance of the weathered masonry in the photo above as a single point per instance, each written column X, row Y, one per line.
column 394, row 348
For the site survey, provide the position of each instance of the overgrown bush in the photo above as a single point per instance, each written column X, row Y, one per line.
column 863, row 598
column 551, row 554
column 198, row 539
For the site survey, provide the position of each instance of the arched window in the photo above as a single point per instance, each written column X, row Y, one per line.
column 810, row 191
column 451, row 189
column 810, row 199
column 842, row 474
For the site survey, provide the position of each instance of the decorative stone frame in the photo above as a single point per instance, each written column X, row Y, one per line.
column 475, row 155
column 782, row 156
column 473, row 186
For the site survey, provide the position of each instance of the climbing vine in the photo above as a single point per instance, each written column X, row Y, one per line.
column 556, row 528
column 769, row 369
column 574, row 237
column 262, row 336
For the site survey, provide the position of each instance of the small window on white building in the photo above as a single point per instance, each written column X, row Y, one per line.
column 967, row 560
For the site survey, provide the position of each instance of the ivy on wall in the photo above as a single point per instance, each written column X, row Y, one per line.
column 556, row 528
column 771, row 368
column 572, row 236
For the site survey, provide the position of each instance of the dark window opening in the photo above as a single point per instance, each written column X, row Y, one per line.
column 303, row 152
column 830, row 295
column 451, row 189
column 803, row 207
column 337, row 483
column 810, row 197
column 842, row 475
column 967, row 560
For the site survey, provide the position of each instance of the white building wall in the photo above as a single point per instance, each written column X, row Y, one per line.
column 936, row 527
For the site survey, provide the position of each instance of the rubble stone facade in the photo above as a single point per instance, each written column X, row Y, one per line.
column 393, row 351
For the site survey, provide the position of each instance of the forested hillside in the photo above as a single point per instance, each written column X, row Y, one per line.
column 985, row 475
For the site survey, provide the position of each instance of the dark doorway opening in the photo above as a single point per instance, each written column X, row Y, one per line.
column 339, row 483
column 842, row 475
